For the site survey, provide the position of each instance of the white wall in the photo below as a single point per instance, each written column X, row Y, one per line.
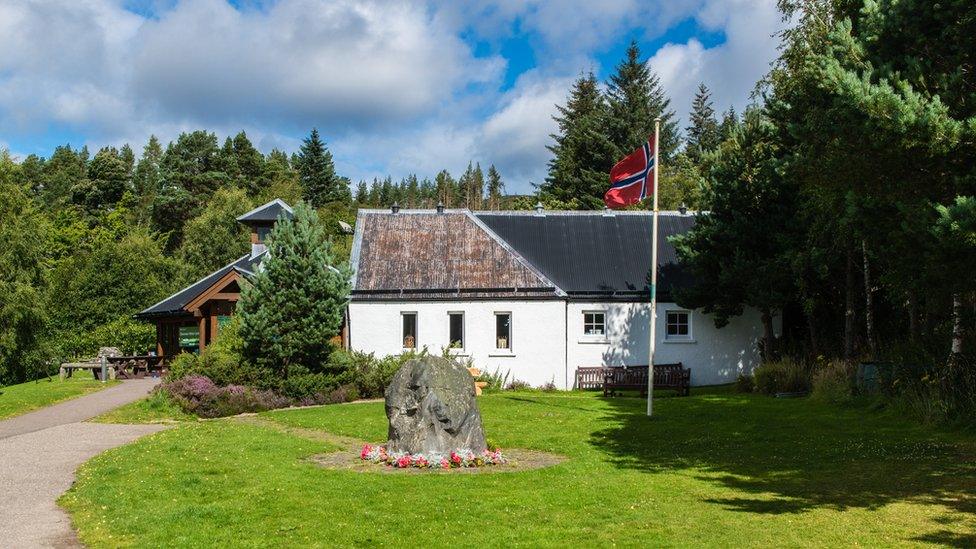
column 714, row 355
column 538, row 353
column 540, row 337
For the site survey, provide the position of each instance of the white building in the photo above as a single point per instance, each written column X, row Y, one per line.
column 535, row 294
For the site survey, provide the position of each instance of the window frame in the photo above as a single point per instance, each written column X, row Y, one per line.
column 603, row 323
column 678, row 338
column 450, row 342
column 416, row 329
column 511, row 339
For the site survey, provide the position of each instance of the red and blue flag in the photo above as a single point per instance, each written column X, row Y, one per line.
column 632, row 179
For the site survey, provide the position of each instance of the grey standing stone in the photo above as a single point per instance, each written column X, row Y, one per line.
column 432, row 408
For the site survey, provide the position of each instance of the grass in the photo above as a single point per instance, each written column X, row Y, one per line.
column 717, row 468
column 22, row 398
column 156, row 408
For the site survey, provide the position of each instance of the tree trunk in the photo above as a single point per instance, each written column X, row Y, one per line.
column 956, row 325
column 849, row 309
column 769, row 337
column 869, row 303
column 912, row 316
column 812, row 330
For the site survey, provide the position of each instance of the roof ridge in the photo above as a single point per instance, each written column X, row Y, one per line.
column 194, row 283
column 510, row 249
column 278, row 201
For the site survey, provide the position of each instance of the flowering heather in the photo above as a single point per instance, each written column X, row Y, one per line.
column 457, row 459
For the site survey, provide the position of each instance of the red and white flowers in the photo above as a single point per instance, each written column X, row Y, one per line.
column 462, row 457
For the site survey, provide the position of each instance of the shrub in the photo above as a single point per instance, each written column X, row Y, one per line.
column 785, row 376
column 307, row 387
column 222, row 363
column 496, row 381
column 369, row 374
column 832, row 382
column 745, row 384
column 518, row 385
column 548, row 387
column 343, row 393
column 199, row 395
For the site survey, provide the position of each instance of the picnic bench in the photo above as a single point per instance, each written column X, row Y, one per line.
column 94, row 365
column 117, row 365
column 478, row 385
column 613, row 379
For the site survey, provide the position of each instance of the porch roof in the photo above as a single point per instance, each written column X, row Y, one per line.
column 175, row 304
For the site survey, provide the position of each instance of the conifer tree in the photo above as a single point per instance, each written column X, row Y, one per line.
column 316, row 170
column 496, row 188
column 703, row 130
column 582, row 152
column 362, row 193
column 730, row 121
column 445, row 188
column 635, row 98
column 294, row 305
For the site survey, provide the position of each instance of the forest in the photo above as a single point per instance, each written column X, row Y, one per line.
column 843, row 200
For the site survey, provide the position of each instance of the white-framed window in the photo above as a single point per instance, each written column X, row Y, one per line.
column 455, row 322
column 503, row 331
column 594, row 323
column 678, row 326
column 409, row 321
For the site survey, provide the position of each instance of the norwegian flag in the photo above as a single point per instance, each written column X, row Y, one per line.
column 632, row 179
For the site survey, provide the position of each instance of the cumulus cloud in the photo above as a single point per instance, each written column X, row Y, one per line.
column 730, row 69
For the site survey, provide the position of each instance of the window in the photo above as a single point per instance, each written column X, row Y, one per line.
column 456, row 322
column 409, row 330
column 594, row 323
column 189, row 338
column 503, row 331
column 678, row 326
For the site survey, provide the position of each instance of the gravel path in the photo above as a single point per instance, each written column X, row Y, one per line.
column 39, row 453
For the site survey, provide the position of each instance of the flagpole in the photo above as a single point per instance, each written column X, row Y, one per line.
column 653, row 339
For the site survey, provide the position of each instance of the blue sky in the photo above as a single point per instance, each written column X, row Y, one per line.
column 396, row 87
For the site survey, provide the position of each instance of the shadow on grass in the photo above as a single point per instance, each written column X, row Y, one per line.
column 790, row 456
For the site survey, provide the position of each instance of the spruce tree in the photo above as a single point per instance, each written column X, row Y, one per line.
column 496, row 188
column 293, row 307
column 362, row 194
column 147, row 178
column 730, row 121
column 316, row 171
column 445, row 188
column 635, row 98
column 703, row 131
column 582, row 152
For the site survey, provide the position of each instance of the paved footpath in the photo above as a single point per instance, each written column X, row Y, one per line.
column 39, row 453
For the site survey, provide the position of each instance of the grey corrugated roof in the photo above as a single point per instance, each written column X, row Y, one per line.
column 174, row 304
column 592, row 252
column 267, row 212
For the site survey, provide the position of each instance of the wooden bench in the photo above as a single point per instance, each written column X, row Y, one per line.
column 634, row 378
column 478, row 385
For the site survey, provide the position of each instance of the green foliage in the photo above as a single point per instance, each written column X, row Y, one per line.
column 496, row 381
column 784, row 376
column 369, row 374
column 295, row 305
column 833, row 382
column 214, row 238
column 703, row 131
column 223, row 363
column 582, row 151
column 320, row 184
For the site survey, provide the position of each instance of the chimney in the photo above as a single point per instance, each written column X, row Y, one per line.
column 395, row 208
column 440, row 207
column 682, row 209
column 538, row 208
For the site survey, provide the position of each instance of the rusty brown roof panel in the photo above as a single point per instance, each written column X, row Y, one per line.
column 438, row 252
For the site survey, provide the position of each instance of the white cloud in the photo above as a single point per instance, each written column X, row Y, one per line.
column 730, row 69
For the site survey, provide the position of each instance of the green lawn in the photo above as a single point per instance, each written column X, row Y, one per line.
column 22, row 398
column 156, row 408
column 717, row 469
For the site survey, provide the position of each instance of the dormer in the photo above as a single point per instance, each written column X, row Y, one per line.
column 261, row 220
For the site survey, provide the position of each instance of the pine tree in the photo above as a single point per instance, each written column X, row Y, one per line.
column 294, row 305
column 107, row 181
column 582, row 152
column 496, row 188
column 445, row 188
column 703, row 130
column 730, row 121
column 251, row 171
column 635, row 98
column 316, row 172
column 362, row 193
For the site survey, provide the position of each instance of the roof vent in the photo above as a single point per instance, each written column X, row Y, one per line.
column 683, row 209
column 395, row 208
column 538, row 208
column 440, row 207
